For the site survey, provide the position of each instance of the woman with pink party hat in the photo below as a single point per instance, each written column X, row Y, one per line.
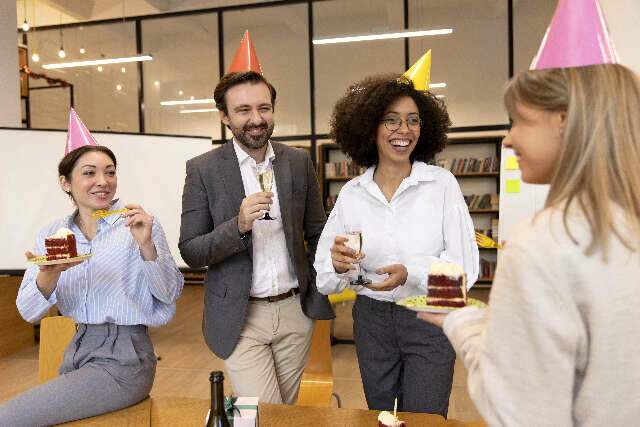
column 559, row 343
column 129, row 283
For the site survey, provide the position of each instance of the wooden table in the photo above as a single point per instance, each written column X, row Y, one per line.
column 170, row 412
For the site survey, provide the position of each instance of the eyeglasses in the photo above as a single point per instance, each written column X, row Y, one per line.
column 394, row 123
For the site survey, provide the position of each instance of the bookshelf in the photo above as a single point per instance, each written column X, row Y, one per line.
column 480, row 182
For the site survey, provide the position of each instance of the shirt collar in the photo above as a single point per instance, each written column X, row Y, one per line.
column 243, row 156
column 420, row 171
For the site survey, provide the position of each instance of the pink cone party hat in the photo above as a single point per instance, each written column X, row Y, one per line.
column 245, row 58
column 77, row 134
column 576, row 37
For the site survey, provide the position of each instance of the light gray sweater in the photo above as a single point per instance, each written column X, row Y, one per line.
column 559, row 344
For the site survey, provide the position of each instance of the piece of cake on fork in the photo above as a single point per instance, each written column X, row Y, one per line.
column 61, row 245
column 447, row 285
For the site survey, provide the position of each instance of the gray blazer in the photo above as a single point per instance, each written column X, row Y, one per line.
column 209, row 236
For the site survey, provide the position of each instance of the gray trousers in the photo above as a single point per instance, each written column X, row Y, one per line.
column 105, row 368
column 401, row 356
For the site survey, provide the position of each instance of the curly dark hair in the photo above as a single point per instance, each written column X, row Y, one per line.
column 356, row 117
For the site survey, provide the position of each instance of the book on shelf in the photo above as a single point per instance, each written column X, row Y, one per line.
column 344, row 168
column 459, row 166
column 482, row 201
column 330, row 202
column 487, row 268
column 492, row 231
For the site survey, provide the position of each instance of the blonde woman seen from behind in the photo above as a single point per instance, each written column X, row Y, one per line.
column 559, row 343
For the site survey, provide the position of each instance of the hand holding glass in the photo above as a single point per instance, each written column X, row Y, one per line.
column 265, row 178
column 354, row 241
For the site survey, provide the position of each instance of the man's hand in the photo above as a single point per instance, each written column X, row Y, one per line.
column 397, row 277
column 252, row 208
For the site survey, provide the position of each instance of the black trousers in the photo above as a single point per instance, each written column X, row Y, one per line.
column 401, row 356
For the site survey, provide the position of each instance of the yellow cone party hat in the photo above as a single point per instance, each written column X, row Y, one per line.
column 420, row 72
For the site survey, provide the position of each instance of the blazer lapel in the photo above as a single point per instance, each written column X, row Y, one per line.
column 284, row 182
column 232, row 178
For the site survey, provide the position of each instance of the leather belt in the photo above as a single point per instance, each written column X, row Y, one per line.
column 277, row 298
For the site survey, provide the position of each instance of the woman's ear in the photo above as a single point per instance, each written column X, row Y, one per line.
column 64, row 184
column 562, row 122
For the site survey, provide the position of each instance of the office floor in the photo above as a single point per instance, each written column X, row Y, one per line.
column 186, row 362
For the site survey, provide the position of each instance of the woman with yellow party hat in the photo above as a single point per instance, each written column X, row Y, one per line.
column 403, row 215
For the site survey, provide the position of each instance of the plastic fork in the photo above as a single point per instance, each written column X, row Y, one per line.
column 486, row 242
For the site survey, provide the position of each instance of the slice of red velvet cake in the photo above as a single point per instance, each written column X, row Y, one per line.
column 61, row 245
column 447, row 285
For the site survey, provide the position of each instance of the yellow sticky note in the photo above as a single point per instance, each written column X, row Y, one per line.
column 512, row 163
column 513, row 186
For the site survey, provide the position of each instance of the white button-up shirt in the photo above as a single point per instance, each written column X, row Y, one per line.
column 273, row 272
column 426, row 220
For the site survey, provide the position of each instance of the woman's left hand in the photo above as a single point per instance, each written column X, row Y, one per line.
column 435, row 318
column 397, row 277
column 140, row 224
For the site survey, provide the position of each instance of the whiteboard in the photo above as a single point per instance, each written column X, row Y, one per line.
column 151, row 172
column 515, row 207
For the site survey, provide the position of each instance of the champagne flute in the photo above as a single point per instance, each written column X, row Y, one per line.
column 355, row 242
column 265, row 178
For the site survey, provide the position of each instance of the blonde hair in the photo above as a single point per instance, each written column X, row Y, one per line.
column 599, row 162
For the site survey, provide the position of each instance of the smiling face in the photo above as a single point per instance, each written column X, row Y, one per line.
column 250, row 114
column 93, row 181
column 395, row 144
column 536, row 136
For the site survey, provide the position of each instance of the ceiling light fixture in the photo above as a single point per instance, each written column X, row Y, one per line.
column 383, row 36
column 189, row 102
column 82, row 50
column 35, row 57
column 201, row 110
column 138, row 58
column 25, row 24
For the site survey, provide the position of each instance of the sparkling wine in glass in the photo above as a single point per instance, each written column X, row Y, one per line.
column 354, row 241
column 265, row 179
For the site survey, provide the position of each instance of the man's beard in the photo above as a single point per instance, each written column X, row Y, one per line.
column 243, row 136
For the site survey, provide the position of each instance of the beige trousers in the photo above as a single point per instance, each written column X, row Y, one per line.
column 272, row 352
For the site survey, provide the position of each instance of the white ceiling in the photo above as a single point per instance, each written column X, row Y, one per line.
column 52, row 12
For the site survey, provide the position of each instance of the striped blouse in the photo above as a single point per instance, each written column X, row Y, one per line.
column 116, row 285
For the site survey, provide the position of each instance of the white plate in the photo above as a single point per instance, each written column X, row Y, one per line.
column 419, row 303
column 37, row 261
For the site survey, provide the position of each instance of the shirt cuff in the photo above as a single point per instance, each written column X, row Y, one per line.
column 36, row 299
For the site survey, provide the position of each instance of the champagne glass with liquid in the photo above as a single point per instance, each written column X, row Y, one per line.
column 265, row 178
column 355, row 242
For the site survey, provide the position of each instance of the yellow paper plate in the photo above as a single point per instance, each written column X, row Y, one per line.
column 419, row 303
column 42, row 260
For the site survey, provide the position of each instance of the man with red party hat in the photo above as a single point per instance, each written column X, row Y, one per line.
column 260, row 299
column 559, row 343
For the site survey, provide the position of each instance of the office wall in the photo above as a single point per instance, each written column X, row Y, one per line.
column 151, row 172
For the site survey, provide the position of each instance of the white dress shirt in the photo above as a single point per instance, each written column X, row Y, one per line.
column 426, row 220
column 273, row 272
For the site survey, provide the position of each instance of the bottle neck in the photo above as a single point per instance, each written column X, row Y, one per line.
column 217, row 398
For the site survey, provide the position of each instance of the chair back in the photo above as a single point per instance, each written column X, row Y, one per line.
column 55, row 335
column 316, row 386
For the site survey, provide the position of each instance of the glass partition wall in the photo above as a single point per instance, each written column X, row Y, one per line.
column 192, row 49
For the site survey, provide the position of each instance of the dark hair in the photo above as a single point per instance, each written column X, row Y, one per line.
column 356, row 117
column 233, row 79
column 68, row 162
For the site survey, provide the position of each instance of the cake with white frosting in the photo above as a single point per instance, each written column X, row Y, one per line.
column 61, row 245
column 387, row 419
column 447, row 285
